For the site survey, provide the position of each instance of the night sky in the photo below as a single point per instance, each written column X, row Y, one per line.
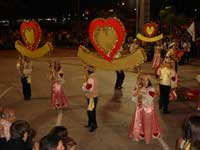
column 45, row 8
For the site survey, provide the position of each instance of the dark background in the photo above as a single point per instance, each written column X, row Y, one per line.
column 47, row 8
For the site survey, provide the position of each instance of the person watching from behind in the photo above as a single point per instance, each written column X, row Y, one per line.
column 51, row 142
column 19, row 132
column 191, row 134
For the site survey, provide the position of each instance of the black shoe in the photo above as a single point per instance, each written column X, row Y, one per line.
column 86, row 126
column 166, row 112
column 27, row 98
column 92, row 129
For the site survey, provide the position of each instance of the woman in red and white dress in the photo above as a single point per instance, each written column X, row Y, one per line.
column 58, row 98
column 145, row 124
column 157, row 56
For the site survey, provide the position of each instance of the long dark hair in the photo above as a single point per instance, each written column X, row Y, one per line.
column 18, row 128
column 61, row 131
column 192, row 131
column 49, row 142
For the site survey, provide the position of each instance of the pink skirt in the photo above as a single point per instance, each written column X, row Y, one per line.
column 156, row 61
column 58, row 98
column 145, row 124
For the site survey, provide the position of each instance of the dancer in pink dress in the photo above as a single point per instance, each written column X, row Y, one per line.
column 157, row 56
column 58, row 98
column 145, row 124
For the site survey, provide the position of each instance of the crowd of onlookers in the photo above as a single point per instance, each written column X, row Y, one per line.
column 19, row 135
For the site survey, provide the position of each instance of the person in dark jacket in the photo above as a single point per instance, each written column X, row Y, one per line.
column 62, row 132
column 51, row 142
column 19, row 131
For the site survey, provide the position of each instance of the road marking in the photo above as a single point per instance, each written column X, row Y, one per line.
column 59, row 118
column 6, row 91
column 77, row 77
column 164, row 144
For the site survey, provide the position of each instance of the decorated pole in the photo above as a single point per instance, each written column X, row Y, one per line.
column 142, row 14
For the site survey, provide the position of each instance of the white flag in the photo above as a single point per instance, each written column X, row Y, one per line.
column 191, row 31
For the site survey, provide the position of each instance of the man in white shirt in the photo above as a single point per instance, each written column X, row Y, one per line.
column 167, row 78
column 90, row 87
column 24, row 66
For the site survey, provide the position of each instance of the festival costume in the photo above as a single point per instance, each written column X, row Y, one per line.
column 91, row 89
column 58, row 98
column 25, row 70
column 145, row 124
column 171, row 58
column 183, row 144
column 168, row 81
column 157, row 58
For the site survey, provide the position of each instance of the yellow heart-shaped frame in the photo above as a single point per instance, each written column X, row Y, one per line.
column 150, row 30
column 105, row 38
column 29, row 35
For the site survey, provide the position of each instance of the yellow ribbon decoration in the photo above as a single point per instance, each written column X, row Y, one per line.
column 122, row 63
column 29, row 79
column 91, row 104
column 33, row 54
column 149, row 39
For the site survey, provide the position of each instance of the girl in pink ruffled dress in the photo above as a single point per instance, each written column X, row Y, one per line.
column 157, row 56
column 145, row 124
column 58, row 98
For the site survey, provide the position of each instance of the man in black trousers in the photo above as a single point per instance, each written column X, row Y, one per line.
column 90, row 87
column 24, row 66
column 167, row 79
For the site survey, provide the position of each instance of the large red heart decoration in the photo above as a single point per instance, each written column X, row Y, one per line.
column 150, row 29
column 31, row 34
column 107, row 36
